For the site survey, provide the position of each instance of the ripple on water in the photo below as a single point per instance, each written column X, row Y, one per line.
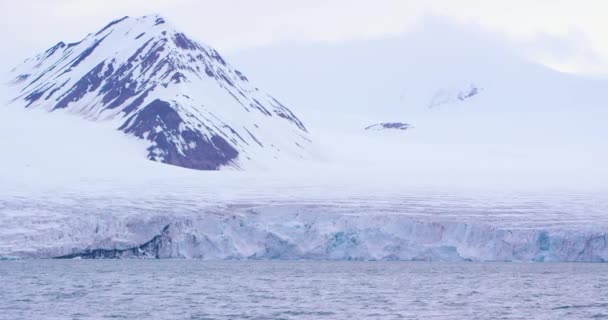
column 300, row 290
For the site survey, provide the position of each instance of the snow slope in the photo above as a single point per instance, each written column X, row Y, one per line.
column 154, row 83
column 228, row 215
column 104, row 200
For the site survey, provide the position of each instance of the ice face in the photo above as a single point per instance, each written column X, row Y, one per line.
column 246, row 223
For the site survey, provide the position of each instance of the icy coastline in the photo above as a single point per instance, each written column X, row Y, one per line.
column 291, row 226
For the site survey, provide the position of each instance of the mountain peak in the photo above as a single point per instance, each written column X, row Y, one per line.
column 181, row 96
column 152, row 24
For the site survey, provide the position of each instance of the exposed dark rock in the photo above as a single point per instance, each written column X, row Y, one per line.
column 178, row 77
column 55, row 90
column 111, row 24
column 181, row 41
column 73, row 44
column 209, row 72
column 148, row 250
column 20, row 78
column 159, row 123
column 90, row 82
column 260, row 107
column 240, row 75
column 53, row 49
column 40, row 76
column 285, row 113
column 468, row 94
column 217, row 57
column 159, row 21
column 86, row 53
column 138, row 101
column 33, row 97
column 389, row 126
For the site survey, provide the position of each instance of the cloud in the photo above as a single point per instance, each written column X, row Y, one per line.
column 233, row 25
column 573, row 52
column 563, row 34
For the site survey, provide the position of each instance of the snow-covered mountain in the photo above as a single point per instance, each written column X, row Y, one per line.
column 152, row 82
column 74, row 188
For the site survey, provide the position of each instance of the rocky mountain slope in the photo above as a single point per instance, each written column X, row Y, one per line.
column 192, row 107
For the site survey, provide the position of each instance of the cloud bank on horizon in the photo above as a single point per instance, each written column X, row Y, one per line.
column 565, row 35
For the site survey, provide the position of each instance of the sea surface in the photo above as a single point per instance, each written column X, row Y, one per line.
column 179, row 289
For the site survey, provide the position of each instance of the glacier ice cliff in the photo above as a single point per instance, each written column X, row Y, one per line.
column 288, row 231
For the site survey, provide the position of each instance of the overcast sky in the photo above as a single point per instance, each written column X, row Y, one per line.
column 564, row 34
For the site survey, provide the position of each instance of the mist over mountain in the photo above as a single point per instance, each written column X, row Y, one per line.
column 395, row 75
column 479, row 110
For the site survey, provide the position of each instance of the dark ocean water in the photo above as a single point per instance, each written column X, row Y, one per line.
column 173, row 289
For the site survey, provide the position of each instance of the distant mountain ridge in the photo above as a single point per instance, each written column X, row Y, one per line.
column 189, row 104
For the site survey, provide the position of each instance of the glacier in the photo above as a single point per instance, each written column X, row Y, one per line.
column 273, row 221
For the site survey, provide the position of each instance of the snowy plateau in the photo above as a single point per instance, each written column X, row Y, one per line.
column 474, row 181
